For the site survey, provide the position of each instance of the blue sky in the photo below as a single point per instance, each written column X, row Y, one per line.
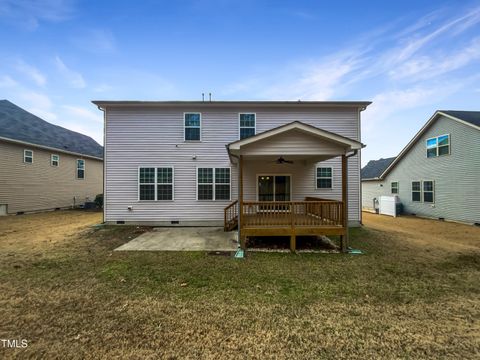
column 408, row 57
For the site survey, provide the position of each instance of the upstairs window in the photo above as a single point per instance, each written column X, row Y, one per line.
column 28, row 156
column 192, row 126
column 438, row 146
column 55, row 160
column 80, row 169
column 324, row 177
column 155, row 183
column 213, row 184
column 247, row 125
column 394, row 187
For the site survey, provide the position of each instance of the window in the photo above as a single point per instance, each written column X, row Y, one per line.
column 192, row 122
column 213, row 183
column 324, row 177
column 428, row 191
column 247, row 125
column 155, row 183
column 80, row 169
column 146, row 184
column 222, row 184
column 28, row 156
column 416, row 191
column 394, row 186
column 55, row 160
column 165, row 183
column 438, row 146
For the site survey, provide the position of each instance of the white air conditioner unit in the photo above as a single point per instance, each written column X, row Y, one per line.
column 388, row 205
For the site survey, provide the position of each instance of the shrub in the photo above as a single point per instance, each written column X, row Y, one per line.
column 99, row 200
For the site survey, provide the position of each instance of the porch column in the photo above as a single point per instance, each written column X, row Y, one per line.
column 241, row 237
column 344, row 238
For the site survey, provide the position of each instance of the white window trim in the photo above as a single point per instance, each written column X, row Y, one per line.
column 247, row 127
column 398, row 187
column 213, row 183
column 420, row 191
column 273, row 175
column 433, row 192
column 316, row 177
column 58, row 160
column 155, row 183
column 438, row 146
column 84, row 169
column 194, row 127
column 24, row 156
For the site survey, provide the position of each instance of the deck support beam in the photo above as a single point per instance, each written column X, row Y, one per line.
column 344, row 238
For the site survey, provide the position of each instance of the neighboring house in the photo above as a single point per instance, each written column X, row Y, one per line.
column 44, row 166
column 437, row 174
column 200, row 163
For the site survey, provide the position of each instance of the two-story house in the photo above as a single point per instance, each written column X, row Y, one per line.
column 44, row 166
column 437, row 174
column 266, row 167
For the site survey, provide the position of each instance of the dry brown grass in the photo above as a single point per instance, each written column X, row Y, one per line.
column 72, row 297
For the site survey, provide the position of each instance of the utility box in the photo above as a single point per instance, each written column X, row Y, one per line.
column 389, row 205
column 3, row 209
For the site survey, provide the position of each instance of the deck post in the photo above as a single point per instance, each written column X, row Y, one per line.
column 344, row 238
column 241, row 237
column 293, row 237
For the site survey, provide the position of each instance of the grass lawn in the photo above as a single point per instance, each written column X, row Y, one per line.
column 75, row 298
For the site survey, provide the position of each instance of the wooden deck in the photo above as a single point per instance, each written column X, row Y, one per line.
column 287, row 218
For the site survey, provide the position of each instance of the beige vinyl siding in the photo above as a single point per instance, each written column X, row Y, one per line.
column 41, row 186
column 154, row 137
column 456, row 176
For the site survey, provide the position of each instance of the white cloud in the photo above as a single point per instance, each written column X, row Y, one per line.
column 101, row 88
column 424, row 67
column 32, row 72
column 37, row 103
column 75, row 79
column 29, row 13
column 7, row 82
column 83, row 113
column 96, row 41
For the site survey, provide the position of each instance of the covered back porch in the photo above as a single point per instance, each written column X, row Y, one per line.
column 278, row 211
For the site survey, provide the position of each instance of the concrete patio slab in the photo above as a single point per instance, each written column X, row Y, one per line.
column 183, row 239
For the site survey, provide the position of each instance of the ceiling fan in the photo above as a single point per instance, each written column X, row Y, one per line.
column 281, row 160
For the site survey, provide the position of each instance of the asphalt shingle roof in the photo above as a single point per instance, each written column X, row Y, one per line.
column 18, row 124
column 375, row 168
column 472, row 117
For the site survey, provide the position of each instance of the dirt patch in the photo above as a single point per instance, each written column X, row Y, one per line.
column 426, row 235
column 39, row 232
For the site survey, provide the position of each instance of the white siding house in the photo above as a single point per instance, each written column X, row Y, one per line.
column 437, row 174
column 191, row 144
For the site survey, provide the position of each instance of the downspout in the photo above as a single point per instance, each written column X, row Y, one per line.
column 104, row 159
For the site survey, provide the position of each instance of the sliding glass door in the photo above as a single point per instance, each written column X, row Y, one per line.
column 274, row 187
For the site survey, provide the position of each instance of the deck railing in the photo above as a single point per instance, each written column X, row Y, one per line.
column 292, row 213
column 231, row 216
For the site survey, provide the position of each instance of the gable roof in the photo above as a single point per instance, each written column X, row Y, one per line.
column 470, row 118
column 375, row 168
column 19, row 125
column 305, row 128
